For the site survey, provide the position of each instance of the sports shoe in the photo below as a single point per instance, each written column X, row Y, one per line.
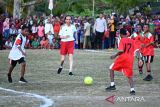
column 59, row 70
column 132, row 92
column 148, row 78
column 110, row 88
column 70, row 73
column 22, row 80
column 9, row 78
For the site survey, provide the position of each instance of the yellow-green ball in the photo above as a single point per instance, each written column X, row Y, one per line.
column 88, row 80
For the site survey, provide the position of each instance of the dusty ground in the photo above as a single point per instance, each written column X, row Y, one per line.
column 69, row 91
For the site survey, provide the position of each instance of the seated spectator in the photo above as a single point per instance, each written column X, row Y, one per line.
column 44, row 43
column 35, row 44
column 8, row 44
column 51, row 41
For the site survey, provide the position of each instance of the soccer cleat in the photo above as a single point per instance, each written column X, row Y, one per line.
column 132, row 92
column 110, row 88
column 22, row 80
column 9, row 78
column 148, row 78
column 70, row 73
column 59, row 70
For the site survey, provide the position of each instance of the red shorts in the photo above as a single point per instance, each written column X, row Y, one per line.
column 123, row 65
column 67, row 47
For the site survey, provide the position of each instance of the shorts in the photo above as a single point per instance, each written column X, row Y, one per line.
column 67, row 47
column 123, row 65
column 14, row 62
column 148, row 59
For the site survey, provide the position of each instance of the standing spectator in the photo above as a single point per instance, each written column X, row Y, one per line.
column 87, row 41
column 99, row 27
column 112, row 35
column 49, row 32
column 67, row 43
column 157, row 29
column 40, row 31
column 6, row 28
column 56, row 27
column 34, row 31
column 1, row 31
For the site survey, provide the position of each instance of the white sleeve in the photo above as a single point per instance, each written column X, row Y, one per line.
column 61, row 31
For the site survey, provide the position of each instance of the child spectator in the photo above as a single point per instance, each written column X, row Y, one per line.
column 35, row 44
column 44, row 43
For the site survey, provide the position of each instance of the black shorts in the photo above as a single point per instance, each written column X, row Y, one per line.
column 14, row 62
column 148, row 59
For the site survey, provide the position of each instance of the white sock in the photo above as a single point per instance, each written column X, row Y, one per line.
column 60, row 67
column 132, row 89
column 112, row 84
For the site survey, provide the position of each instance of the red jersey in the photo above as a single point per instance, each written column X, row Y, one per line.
column 148, row 51
column 124, row 62
column 138, row 40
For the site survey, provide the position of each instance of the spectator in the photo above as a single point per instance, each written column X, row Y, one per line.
column 35, row 44
column 99, row 27
column 40, row 31
column 8, row 44
column 87, row 41
column 6, row 28
column 44, row 43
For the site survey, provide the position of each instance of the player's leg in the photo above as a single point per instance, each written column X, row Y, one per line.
column 131, row 83
column 148, row 59
column 70, row 52
column 112, row 85
column 63, row 52
column 140, row 62
column 12, row 65
column 70, row 64
column 23, row 70
column 61, row 64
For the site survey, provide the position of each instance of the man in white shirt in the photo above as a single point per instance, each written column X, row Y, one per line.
column 87, row 41
column 49, row 32
column 66, row 33
column 17, row 54
column 99, row 28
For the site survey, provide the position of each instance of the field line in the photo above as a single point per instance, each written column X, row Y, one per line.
column 47, row 102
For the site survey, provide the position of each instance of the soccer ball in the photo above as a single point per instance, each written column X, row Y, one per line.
column 88, row 80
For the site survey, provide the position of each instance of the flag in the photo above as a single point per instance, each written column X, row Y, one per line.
column 50, row 6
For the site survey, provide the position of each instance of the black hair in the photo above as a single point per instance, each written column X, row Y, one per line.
column 24, row 27
column 123, row 31
column 67, row 16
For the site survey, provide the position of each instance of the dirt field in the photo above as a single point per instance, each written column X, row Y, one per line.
column 69, row 91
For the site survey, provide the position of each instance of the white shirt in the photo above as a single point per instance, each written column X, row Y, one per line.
column 48, row 28
column 34, row 29
column 87, row 27
column 100, row 25
column 15, row 53
column 8, row 44
column 67, row 31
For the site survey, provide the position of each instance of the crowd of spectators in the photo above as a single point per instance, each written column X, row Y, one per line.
column 44, row 30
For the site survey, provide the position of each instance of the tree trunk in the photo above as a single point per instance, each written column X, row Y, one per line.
column 17, row 9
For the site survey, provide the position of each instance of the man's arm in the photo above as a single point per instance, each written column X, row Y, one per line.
column 117, row 54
